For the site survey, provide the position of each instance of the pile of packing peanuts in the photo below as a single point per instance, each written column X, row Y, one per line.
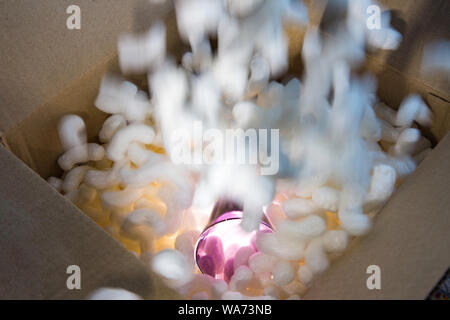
column 342, row 151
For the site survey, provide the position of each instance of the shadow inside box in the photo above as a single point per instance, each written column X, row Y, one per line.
column 442, row 289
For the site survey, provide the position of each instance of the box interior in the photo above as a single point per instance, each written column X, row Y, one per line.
column 53, row 71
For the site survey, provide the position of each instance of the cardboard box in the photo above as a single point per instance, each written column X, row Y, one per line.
column 49, row 70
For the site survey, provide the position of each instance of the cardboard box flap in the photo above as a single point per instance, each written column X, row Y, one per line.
column 41, row 56
column 409, row 240
column 41, row 234
column 421, row 22
column 394, row 86
column 35, row 139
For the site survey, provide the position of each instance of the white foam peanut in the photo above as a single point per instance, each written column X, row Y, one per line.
column 355, row 223
column 148, row 217
column 121, row 198
column 276, row 245
column 303, row 229
column 413, row 108
column 74, row 178
column 71, row 157
column 335, row 240
column 406, row 142
column 72, row 131
column 315, row 257
column 327, row 198
column 283, row 273
column 81, row 154
column 241, row 278
column 305, row 274
column 113, row 294
column 388, row 132
column 110, row 127
column 101, row 179
column 297, row 207
column 139, row 53
column 135, row 132
column 272, row 291
column 241, row 8
column 171, row 264
column 382, row 185
column 218, row 289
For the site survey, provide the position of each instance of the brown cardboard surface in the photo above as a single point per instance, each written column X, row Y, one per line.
column 420, row 22
column 399, row 72
column 409, row 241
column 394, row 86
column 35, row 139
column 41, row 234
column 40, row 56
column 32, row 134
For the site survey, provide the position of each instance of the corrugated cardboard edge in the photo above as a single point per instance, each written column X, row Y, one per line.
column 41, row 234
column 409, row 241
